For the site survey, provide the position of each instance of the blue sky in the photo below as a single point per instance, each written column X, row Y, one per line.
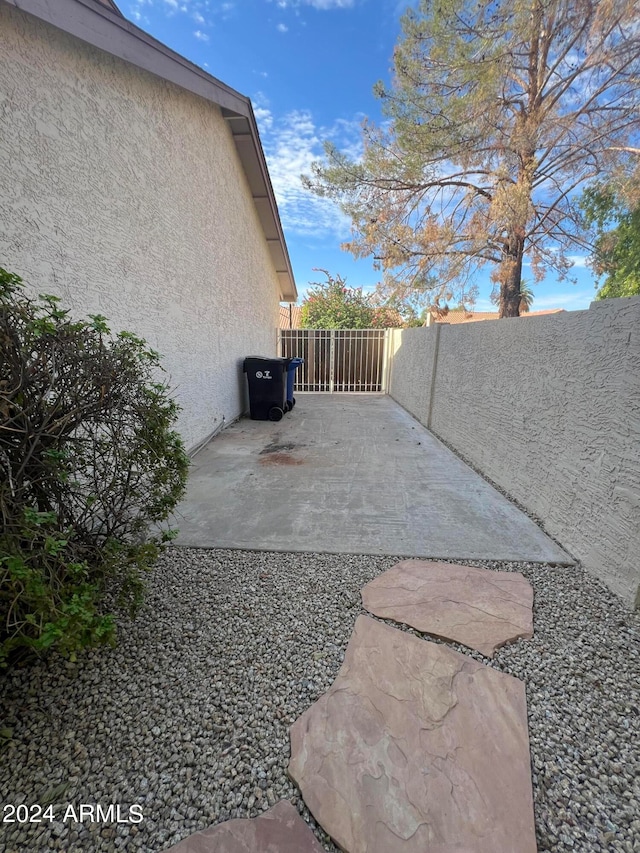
column 309, row 67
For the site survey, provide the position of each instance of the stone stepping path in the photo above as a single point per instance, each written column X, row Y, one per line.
column 278, row 830
column 416, row 748
column 478, row 608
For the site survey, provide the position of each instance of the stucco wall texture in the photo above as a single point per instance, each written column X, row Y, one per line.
column 412, row 361
column 549, row 409
column 124, row 195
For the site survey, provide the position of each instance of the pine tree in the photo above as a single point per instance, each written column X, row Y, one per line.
column 497, row 113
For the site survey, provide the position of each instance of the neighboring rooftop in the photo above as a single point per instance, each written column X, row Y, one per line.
column 455, row 316
column 290, row 316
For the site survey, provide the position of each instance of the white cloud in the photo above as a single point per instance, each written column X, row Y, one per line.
column 264, row 119
column 282, row 28
column 291, row 144
column 329, row 4
column 199, row 11
column 574, row 299
column 322, row 5
column 578, row 260
column 201, row 36
column 483, row 305
column 136, row 11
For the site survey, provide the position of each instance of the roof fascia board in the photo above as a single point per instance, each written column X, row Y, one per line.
column 290, row 294
column 94, row 23
column 98, row 26
column 111, row 5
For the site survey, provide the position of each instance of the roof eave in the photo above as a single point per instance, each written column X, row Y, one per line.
column 244, row 130
column 111, row 5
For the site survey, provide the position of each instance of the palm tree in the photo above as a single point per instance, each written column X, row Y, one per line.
column 526, row 297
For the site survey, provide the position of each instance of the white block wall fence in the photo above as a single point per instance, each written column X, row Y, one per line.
column 548, row 408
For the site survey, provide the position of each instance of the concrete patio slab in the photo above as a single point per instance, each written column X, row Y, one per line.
column 353, row 474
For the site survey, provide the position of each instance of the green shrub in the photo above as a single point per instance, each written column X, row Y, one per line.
column 90, row 467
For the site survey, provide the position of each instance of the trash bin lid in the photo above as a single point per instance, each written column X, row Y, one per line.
column 252, row 360
column 293, row 363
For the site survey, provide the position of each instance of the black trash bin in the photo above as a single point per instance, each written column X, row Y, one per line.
column 267, row 379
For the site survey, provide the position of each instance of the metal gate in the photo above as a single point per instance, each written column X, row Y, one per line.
column 335, row 360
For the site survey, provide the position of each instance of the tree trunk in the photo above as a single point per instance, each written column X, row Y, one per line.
column 511, row 276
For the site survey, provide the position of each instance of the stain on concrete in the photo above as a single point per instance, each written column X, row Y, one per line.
column 343, row 485
column 276, row 448
column 280, row 459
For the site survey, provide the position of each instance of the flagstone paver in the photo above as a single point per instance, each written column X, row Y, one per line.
column 416, row 748
column 479, row 608
column 278, row 830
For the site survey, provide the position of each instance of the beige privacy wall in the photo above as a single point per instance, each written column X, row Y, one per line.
column 549, row 409
column 124, row 195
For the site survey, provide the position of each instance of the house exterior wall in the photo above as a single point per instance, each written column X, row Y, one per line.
column 124, row 195
column 549, row 409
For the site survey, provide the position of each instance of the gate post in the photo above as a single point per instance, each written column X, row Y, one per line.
column 386, row 362
column 332, row 346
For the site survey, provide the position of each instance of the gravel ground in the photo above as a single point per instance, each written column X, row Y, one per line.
column 188, row 718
